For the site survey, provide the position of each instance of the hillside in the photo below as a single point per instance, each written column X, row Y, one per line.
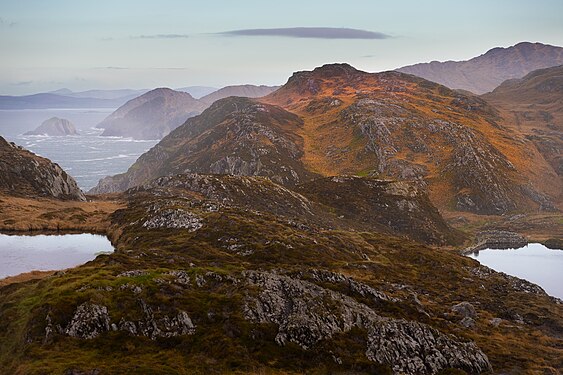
column 151, row 115
column 337, row 120
column 234, row 136
column 483, row 73
column 533, row 105
column 247, row 91
column 395, row 125
column 25, row 174
column 239, row 274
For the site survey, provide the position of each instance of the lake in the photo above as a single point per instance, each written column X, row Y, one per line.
column 87, row 157
column 20, row 254
column 534, row 262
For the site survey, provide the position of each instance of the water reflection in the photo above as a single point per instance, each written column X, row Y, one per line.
column 534, row 262
column 20, row 254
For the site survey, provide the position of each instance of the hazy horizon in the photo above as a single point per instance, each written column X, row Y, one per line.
column 141, row 45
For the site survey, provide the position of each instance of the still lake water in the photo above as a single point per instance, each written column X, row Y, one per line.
column 86, row 157
column 534, row 262
column 48, row 252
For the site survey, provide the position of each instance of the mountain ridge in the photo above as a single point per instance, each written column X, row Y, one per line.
column 483, row 73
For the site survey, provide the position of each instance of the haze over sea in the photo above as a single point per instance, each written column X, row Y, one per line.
column 87, row 157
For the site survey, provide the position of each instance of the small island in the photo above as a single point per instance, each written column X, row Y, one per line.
column 54, row 127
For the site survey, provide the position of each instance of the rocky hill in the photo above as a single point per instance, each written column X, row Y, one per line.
column 483, row 73
column 533, row 105
column 247, row 91
column 25, row 174
column 234, row 136
column 337, row 120
column 151, row 115
column 239, row 274
column 399, row 126
column 54, row 127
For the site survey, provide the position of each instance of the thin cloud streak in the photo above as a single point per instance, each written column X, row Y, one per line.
column 161, row 36
column 310, row 32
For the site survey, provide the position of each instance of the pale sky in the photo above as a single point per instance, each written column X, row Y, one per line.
column 78, row 44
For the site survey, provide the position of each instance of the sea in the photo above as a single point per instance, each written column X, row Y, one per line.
column 87, row 157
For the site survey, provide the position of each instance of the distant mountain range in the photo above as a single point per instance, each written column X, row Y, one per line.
column 65, row 98
column 157, row 112
column 483, row 73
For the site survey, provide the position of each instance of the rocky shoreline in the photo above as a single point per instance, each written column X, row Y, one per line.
column 496, row 239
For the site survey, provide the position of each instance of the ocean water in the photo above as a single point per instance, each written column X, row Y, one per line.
column 48, row 252
column 87, row 157
column 533, row 262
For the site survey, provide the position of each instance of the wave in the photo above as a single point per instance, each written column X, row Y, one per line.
column 120, row 156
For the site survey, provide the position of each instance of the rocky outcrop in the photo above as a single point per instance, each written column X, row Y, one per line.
column 54, row 127
column 89, row 321
column 496, row 239
column 26, row 174
column 306, row 313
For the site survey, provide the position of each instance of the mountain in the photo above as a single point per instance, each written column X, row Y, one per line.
column 483, row 73
column 151, row 115
column 198, row 91
column 337, row 120
column 533, row 105
column 247, row 91
column 395, row 125
column 54, row 127
column 121, row 94
column 234, row 136
column 25, row 174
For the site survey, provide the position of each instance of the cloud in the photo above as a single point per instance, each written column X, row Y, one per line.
column 310, row 32
column 22, row 83
column 161, row 36
column 112, row 67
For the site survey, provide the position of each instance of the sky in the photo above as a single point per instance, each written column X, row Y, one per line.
column 109, row 44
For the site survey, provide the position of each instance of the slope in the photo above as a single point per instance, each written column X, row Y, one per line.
column 533, row 105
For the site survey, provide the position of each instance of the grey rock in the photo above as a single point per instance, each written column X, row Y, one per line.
column 465, row 309
column 89, row 321
column 307, row 313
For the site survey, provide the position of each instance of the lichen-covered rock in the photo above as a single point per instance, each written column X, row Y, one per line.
column 307, row 313
column 89, row 321
column 173, row 218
